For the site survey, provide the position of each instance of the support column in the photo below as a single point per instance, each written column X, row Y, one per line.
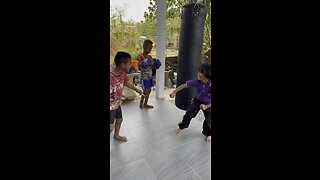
column 161, row 46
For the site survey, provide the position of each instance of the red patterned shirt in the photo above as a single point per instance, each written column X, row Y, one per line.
column 116, row 88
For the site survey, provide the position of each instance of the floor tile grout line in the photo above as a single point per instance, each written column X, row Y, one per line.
column 160, row 153
column 188, row 165
column 144, row 157
column 172, row 145
column 176, row 146
column 127, row 164
column 127, row 129
column 166, row 150
column 131, row 142
column 173, row 148
column 154, row 137
column 151, row 169
column 169, row 149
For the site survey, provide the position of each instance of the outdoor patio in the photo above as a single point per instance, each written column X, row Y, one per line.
column 153, row 150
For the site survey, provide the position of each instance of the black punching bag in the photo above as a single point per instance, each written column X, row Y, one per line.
column 190, row 45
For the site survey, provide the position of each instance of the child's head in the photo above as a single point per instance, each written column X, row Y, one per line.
column 123, row 61
column 147, row 46
column 204, row 72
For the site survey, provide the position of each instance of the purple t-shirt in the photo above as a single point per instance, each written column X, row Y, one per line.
column 203, row 93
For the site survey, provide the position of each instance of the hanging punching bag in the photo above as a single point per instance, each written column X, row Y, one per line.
column 190, row 45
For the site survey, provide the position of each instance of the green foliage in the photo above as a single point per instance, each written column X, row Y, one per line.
column 124, row 36
column 148, row 28
column 171, row 66
column 206, row 46
column 172, row 17
column 173, row 24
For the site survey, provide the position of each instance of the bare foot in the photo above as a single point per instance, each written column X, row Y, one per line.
column 120, row 138
column 208, row 138
column 178, row 131
column 148, row 106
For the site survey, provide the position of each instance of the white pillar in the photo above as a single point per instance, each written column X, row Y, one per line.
column 161, row 46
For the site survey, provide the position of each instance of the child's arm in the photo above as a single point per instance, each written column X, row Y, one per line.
column 182, row 86
column 131, row 86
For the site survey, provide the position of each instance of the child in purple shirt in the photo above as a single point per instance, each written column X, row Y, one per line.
column 202, row 100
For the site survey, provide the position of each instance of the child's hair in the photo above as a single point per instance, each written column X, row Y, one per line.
column 121, row 57
column 206, row 70
column 147, row 41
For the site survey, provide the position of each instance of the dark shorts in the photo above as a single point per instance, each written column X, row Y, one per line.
column 146, row 84
column 115, row 114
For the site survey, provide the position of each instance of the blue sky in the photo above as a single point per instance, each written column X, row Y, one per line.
column 134, row 8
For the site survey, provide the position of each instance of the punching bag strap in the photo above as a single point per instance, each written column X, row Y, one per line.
column 196, row 10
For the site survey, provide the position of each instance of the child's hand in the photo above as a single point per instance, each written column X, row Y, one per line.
column 140, row 92
column 157, row 63
column 172, row 95
column 203, row 107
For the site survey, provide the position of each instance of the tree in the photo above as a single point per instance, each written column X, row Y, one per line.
column 206, row 47
column 173, row 16
column 124, row 36
column 173, row 23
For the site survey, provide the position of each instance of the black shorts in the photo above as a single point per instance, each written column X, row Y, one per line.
column 115, row 114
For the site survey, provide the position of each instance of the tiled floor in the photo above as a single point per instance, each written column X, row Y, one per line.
column 154, row 151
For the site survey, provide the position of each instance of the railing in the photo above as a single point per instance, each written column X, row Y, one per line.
column 134, row 78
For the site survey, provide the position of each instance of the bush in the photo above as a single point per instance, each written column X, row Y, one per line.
column 171, row 66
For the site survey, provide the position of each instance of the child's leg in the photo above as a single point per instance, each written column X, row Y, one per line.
column 144, row 89
column 117, row 130
column 206, row 130
column 142, row 99
column 206, row 127
column 147, row 85
column 148, row 92
column 112, row 118
column 111, row 127
column 191, row 113
column 119, row 120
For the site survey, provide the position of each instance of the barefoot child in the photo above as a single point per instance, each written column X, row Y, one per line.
column 202, row 100
column 147, row 68
column 118, row 79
